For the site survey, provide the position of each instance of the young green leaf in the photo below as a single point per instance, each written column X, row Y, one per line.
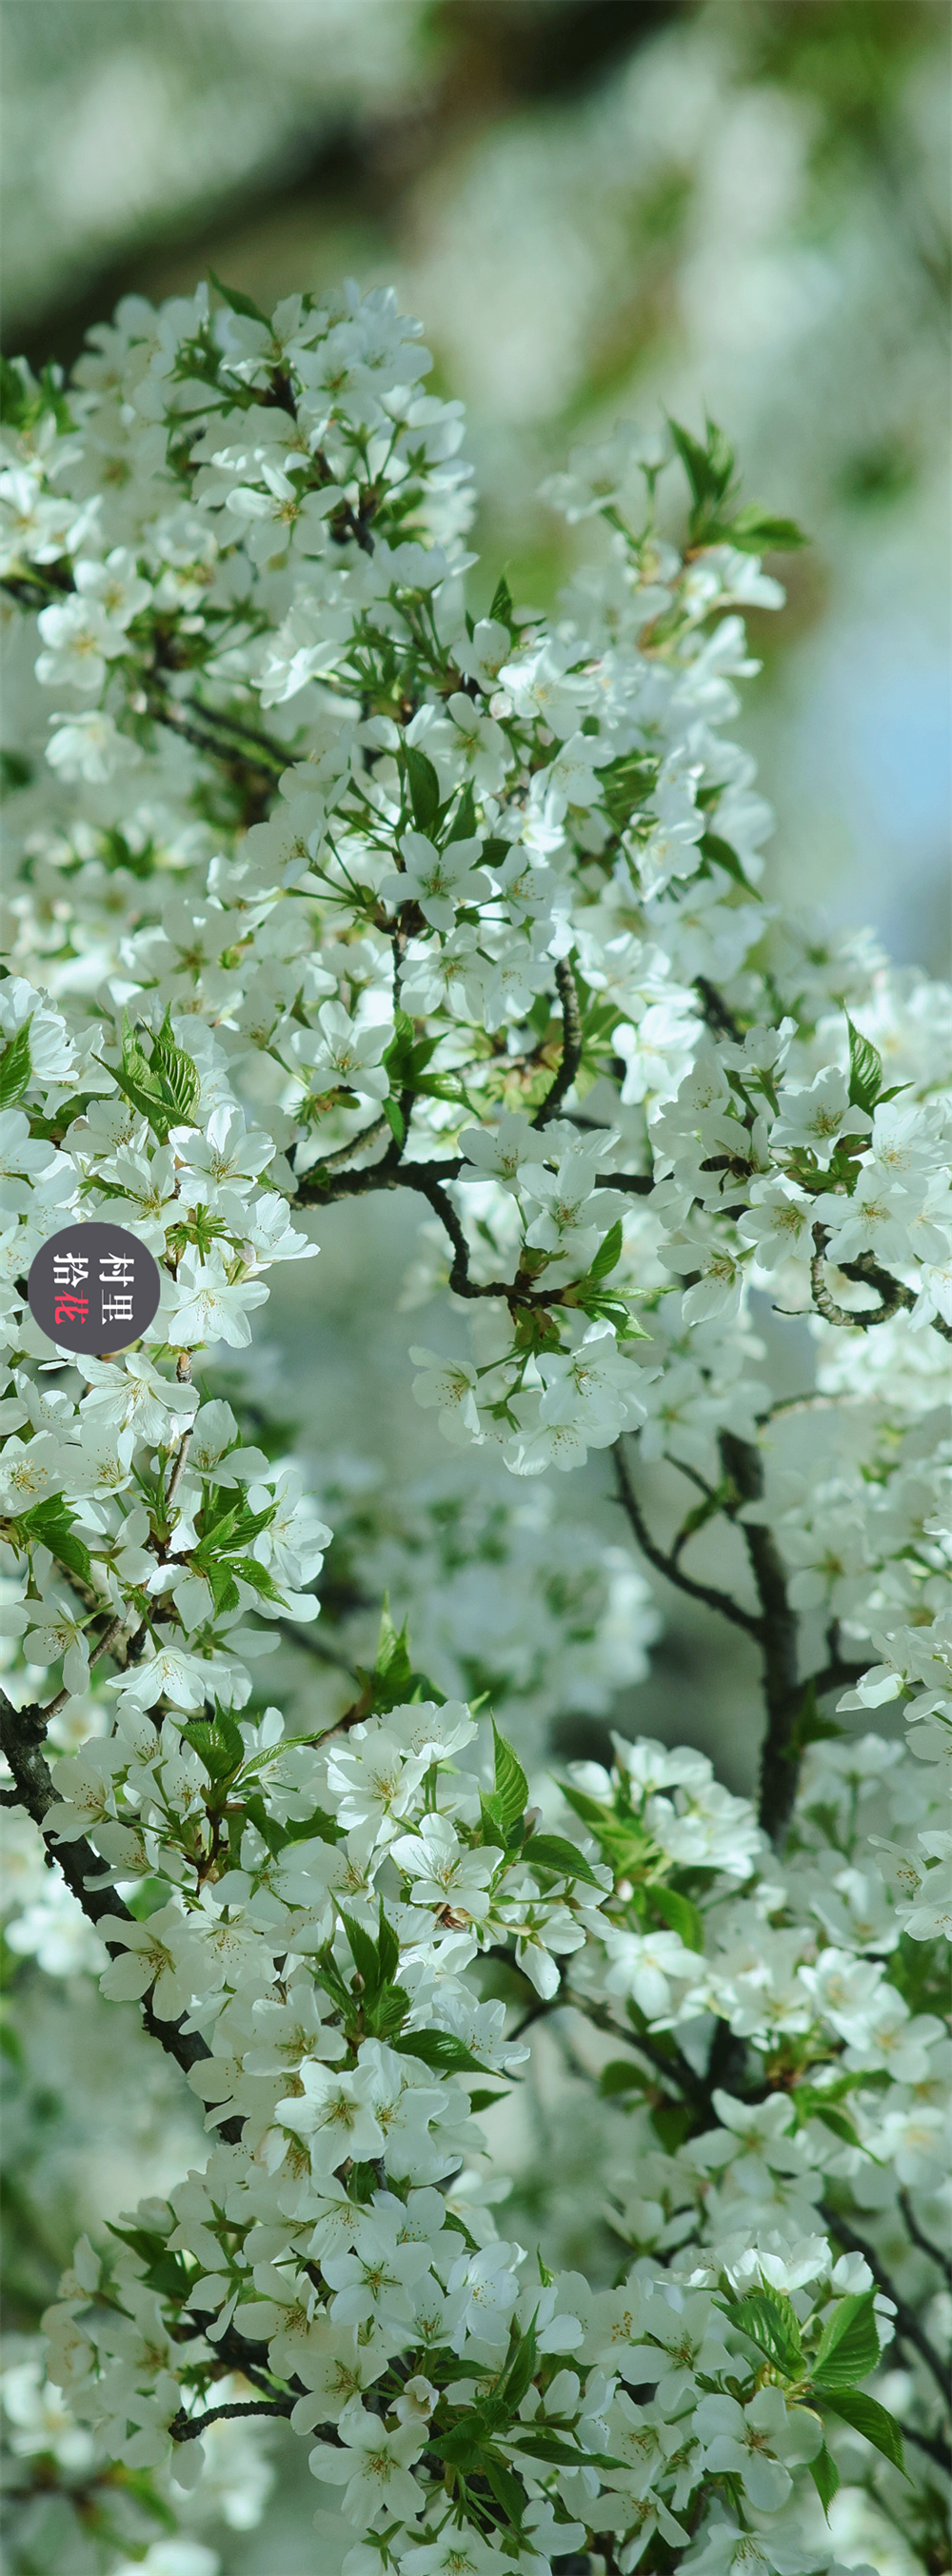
column 868, row 2417
column 756, row 531
column 609, row 1253
column 501, row 602
column 826, row 2477
column 866, row 1070
column 621, row 2075
column 511, row 1788
column 50, row 1524
column 238, row 302
column 680, row 1915
column 440, row 2049
column 769, row 2320
column 850, row 2344
column 424, row 787
column 708, row 468
column 554, row 1851
column 15, row 1067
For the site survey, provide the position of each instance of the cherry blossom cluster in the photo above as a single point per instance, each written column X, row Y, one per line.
column 327, row 886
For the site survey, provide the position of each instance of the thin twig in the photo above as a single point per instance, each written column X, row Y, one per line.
column 934, row 2445
column 311, row 1645
column 667, row 1565
column 924, row 2243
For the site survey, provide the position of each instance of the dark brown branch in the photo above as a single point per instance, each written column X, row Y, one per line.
column 777, row 1630
column 908, row 2329
column 934, row 2445
column 277, row 753
column 22, row 1731
column 667, row 1564
column 714, row 1011
column 674, row 2068
column 924, row 2243
column 295, row 1635
column 571, row 1044
column 835, row 1676
column 189, row 2428
column 868, row 1273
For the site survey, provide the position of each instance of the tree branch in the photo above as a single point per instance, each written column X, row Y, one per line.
column 868, row 1273
column 189, row 2428
column 924, row 2243
column 675, row 2067
column 934, row 2445
column 571, row 1044
column 667, row 1564
column 777, row 1629
column 22, row 1731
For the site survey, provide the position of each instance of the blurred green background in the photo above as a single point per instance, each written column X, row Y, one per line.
column 599, row 207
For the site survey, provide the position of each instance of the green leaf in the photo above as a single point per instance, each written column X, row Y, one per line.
column 709, row 470
column 521, row 2369
column 511, row 1788
column 554, row 1851
column 50, row 1524
column 756, row 531
column 826, row 2477
column 680, row 1915
column 671, row 2122
column 363, row 1951
column 609, row 1253
column 15, row 771
column 239, row 303
column 482, row 2101
column 424, row 787
column 841, row 2126
column 316, row 1828
column 501, row 603
column 493, row 1829
column 719, row 854
column 770, row 2321
column 868, row 2417
column 219, row 1744
column 850, row 2344
column 164, row 1087
column 388, row 1947
column 464, row 825
column 506, row 2489
column 24, row 398
column 543, row 2444
column 395, row 1119
column 16, row 1066
column 177, row 1072
column 621, row 2075
column 14, row 395
column 440, row 2049
column 866, row 1070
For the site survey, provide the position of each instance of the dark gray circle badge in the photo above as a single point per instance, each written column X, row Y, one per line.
column 93, row 1288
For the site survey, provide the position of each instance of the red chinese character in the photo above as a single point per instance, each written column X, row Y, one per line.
column 71, row 1310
